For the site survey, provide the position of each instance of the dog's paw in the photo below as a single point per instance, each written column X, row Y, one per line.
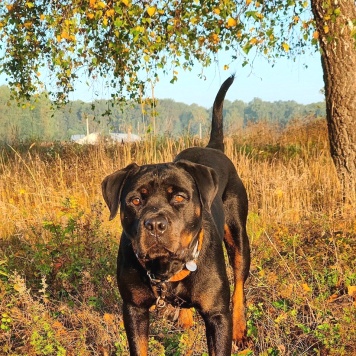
column 239, row 336
column 244, row 344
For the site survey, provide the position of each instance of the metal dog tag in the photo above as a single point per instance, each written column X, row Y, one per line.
column 191, row 266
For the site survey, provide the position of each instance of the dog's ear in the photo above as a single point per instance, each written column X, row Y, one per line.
column 206, row 179
column 112, row 187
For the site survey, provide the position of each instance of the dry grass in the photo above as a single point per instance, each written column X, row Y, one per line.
column 57, row 249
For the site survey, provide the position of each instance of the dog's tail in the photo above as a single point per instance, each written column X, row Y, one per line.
column 217, row 133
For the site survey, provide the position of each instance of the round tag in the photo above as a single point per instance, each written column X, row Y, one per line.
column 191, row 266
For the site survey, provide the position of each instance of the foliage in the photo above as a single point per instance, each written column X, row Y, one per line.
column 130, row 42
column 57, row 250
column 37, row 121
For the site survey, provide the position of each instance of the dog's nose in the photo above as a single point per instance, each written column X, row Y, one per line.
column 156, row 225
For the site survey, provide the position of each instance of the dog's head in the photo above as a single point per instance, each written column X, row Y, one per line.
column 161, row 209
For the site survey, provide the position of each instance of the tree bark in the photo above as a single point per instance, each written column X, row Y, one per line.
column 334, row 23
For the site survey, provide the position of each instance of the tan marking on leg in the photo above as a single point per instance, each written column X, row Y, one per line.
column 185, row 318
column 238, row 302
column 238, row 312
column 228, row 237
column 143, row 346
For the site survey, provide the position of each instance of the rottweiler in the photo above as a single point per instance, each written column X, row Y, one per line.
column 174, row 218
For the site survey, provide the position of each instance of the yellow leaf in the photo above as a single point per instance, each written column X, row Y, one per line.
column 110, row 13
column 151, row 10
column 248, row 2
column 65, row 35
column 226, row 67
column 326, row 28
column 109, row 318
column 316, row 35
column 231, row 22
column 126, row 2
column 101, row 5
column 90, row 16
column 306, row 288
column 253, row 40
column 42, row 17
column 214, row 38
column 92, row 3
column 216, row 11
column 285, row 46
column 333, row 297
column 245, row 352
column 351, row 290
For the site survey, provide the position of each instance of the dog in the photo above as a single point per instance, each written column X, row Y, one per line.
column 175, row 217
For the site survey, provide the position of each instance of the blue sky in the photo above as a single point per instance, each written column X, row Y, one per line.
column 300, row 80
column 286, row 80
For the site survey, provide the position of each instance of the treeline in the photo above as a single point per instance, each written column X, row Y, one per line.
column 39, row 120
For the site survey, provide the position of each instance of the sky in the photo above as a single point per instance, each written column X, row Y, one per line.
column 286, row 80
column 300, row 80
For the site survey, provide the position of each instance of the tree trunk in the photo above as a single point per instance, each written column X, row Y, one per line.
column 334, row 23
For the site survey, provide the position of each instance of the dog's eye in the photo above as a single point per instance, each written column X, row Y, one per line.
column 179, row 198
column 136, row 201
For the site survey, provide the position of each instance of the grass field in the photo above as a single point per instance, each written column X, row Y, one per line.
column 58, row 293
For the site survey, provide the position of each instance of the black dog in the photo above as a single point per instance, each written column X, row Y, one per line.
column 174, row 218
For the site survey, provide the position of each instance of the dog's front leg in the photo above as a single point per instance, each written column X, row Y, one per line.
column 218, row 333
column 136, row 321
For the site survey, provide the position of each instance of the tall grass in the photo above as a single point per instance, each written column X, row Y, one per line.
column 57, row 248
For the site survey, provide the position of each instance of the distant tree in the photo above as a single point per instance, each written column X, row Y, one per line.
column 233, row 115
column 130, row 41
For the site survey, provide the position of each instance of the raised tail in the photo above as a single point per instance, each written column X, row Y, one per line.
column 217, row 133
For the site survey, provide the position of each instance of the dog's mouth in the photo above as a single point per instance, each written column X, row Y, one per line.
column 160, row 251
column 163, row 268
column 161, row 262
